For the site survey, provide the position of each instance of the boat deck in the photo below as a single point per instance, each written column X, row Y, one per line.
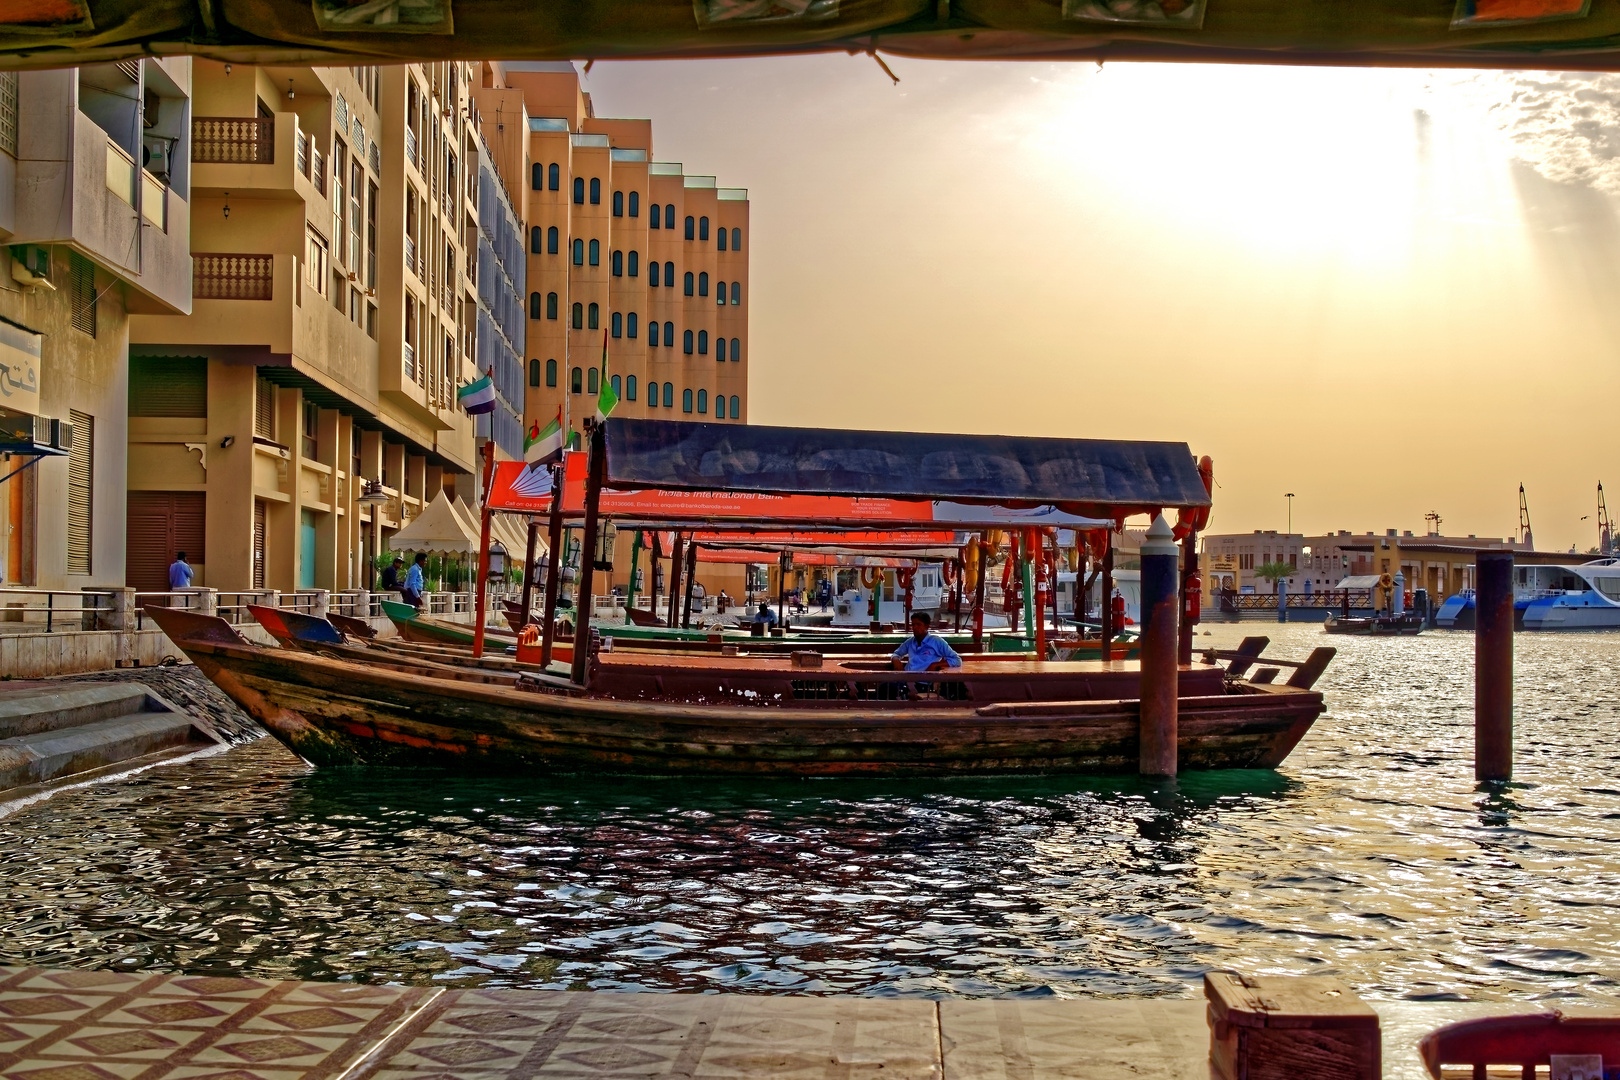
column 67, row 1024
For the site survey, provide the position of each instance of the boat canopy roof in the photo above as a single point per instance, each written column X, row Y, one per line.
column 1554, row 34
column 1097, row 478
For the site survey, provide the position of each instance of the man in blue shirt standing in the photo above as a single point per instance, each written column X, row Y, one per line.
column 924, row 651
column 415, row 582
column 180, row 573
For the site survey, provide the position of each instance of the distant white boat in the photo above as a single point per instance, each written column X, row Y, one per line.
column 1582, row 596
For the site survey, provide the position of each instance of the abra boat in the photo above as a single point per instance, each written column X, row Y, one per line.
column 659, row 715
column 1375, row 625
column 1581, row 596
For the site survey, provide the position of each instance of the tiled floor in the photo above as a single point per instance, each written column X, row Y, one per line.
column 103, row 1025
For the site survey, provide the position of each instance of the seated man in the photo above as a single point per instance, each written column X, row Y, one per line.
column 765, row 616
column 924, row 651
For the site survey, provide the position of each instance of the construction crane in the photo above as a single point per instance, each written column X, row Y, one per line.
column 1605, row 526
column 1433, row 518
column 1524, row 521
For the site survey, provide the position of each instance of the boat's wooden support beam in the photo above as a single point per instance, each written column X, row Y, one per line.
column 481, row 570
column 1189, row 588
column 554, row 557
column 1106, row 615
column 677, row 553
column 1493, row 665
column 689, row 581
column 978, row 592
column 1160, row 675
column 596, row 468
column 528, row 566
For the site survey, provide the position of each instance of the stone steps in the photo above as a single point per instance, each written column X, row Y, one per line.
column 51, row 733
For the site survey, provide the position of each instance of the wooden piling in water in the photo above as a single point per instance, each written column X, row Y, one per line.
column 1160, row 674
column 1493, row 665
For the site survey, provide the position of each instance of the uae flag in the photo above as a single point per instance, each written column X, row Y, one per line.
column 477, row 397
column 609, row 397
column 542, row 447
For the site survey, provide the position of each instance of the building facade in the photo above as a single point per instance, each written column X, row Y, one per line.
column 95, row 208
column 1440, row 564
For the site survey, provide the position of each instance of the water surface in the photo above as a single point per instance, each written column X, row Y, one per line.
column 1371, row 854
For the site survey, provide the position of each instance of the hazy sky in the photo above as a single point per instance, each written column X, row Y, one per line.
column 1388, row 292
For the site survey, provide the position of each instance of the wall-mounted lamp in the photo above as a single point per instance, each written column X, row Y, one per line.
column 289, row 90
column 227, row 69
column 227, row 206
column 225, row 443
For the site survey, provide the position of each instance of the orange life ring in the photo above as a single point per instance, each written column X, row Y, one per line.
column 1385, row 581
column 947, row 572
column 871, row 576
column 905, row 575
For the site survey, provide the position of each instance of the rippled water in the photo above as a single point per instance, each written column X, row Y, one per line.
column 1371, row 854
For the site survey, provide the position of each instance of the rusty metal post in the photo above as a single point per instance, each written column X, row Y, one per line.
column 978, row 592
column 554, row 539
column 1493, row 665
column 528, row 567
column 1158, row 651
column 1189, row 574
column 689, row 580
column 1106, row 615
column 676, row 557
column 595, row 470
column 481, row 571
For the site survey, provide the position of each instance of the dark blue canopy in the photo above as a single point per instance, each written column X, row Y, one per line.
column 1097, row 476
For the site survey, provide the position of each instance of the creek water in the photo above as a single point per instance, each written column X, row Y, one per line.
column 1371, row 854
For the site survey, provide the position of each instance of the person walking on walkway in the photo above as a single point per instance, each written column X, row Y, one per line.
column 180, row 573
column 416, row 582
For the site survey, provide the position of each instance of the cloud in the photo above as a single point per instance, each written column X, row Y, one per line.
column 1565, row 125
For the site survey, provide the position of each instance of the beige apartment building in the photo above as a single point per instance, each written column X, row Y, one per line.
column 1437, row 563
column 95, row 209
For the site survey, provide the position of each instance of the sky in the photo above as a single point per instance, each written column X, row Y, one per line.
column 1388, row 292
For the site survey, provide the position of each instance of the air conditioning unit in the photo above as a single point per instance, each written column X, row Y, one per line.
column 62, row 435
column 31, row 265
column 157, row 156
column 42, row 430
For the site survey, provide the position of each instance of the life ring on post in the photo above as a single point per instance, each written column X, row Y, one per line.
column 1386, row 582
column 905, row 575
column 871, row 576
column 947, row 572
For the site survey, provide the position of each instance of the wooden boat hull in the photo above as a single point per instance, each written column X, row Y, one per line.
column 338, row 712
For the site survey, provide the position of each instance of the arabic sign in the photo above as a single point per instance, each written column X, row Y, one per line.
column 19, row 369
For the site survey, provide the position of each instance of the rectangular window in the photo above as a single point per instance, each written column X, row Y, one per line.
column 312, row 427
column 81, row 477
column 371, row 321
column 316, row 263
column 168, row 386
column 264, row 409
column 8, row 112
column 82, row 294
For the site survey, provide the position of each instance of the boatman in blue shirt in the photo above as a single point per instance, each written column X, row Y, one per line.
column 924, row 651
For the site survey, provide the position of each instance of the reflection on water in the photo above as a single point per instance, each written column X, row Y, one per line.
column 1372, row 854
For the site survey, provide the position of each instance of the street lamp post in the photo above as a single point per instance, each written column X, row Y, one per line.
column 1290, row 497
column 375, row 497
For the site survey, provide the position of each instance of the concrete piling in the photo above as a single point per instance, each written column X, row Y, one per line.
column 1493, row 665
column 1160, row 675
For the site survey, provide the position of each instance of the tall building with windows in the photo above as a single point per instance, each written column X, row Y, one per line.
column 623, row 251
column 95, row 205
column 335, row 234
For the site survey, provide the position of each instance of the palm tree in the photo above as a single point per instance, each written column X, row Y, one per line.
column 1275, row 572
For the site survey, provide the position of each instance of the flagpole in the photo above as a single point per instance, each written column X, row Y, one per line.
column 483, row 550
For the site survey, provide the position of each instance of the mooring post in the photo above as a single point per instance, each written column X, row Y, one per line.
column 1493, row 665
column 1107, row 613
column 1158, row 651
column 596, row 467
column 1282, row 601
column 1190, row 597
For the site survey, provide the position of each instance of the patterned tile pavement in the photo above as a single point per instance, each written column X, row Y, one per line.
column 109, row 1025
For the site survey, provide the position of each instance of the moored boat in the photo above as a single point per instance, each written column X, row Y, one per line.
column 1375, row 625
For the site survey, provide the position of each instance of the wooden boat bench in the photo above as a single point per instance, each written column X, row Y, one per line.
column 1524, row 1041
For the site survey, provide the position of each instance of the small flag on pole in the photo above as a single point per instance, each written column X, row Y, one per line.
column 477, row 396
column 542, row 447
column 608, row 397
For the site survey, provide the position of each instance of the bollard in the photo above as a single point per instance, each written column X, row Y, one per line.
column 1493, row 665
column 1158, row 651
column 1397, row 596
column 1282, row 601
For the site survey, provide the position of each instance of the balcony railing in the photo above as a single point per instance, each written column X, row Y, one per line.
column 233, row 140
column 301, row 153
column 410, row 362
column 410, row 146
column 318, row 168
column 410, row 255
column 220, row 276
column 155, row 201
column 120, row 173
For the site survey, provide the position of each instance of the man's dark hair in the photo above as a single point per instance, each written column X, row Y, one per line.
column 421, row 557
column 180, row 555
column 398, row 561
column 927, row 620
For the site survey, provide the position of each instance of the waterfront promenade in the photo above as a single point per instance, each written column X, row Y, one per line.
column 108, row 1025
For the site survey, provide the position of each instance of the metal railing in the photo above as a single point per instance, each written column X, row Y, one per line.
column 233, row 140
column 55, row 609
column 317, row 168
column 233, row 606
column 1328, row 598
column 301, row 152
column 410, row 146
column 410, row 255
column 226, row 276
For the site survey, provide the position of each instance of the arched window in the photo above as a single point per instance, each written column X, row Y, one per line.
column 652, row 334
column 534, row 373
column 618, row 204
column 735, row 415
column 537, row 176
column 551, row 373
column 669, row 274
column 596, row 191
column 596, row 253
column 720, row 349
column 653, row 275
column 720, row 405
column 655, row 216
column 534, row 305
column 722, row 238
column 669, row 335
column 630, row 326
column 703, row 402
column 669, row 215
column 617, row 323
column 592, row 387
column 720, row 293
column 689, row 283
column 579, row 190
column 635, row 263
column 703, row 343
column 551, row 305
column 736, row 348
column 686, row 343
column 617, row 388
column 691, row 233
column 535, row 241
column 736, row 293
column 618, row 263
column 630, row 381
column 593, row 317
column 579, row 253
column 553, row 176
column 579, row 316
column 669, row 395
column 551, row 240
column 736, row 239
column 703, row 284
column 703, row 227
column 635, row 211
column 652, row 395
column 576, row 380
column 686, row 401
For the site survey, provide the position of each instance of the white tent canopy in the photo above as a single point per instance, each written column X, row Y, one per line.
column 438, row 530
